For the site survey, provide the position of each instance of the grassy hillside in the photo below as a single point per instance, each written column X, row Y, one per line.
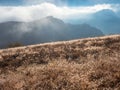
column 85, row 64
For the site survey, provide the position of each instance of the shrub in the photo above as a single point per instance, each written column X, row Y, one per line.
column 15, row 44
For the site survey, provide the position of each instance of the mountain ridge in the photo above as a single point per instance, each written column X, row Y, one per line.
column 106, row 20
column 44, row 30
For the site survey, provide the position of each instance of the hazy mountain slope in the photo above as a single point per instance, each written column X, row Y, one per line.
column 106, row 20
column 45, row 30
column 92, row 63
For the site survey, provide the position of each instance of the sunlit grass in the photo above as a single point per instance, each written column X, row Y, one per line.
column 85, row 64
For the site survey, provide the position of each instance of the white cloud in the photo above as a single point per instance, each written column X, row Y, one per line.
column 33, row 2
column 34, row 12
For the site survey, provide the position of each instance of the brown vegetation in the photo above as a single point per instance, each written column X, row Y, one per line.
column 85, row 64
column 15, row 44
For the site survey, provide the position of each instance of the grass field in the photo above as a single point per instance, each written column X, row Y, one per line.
column 84, row 64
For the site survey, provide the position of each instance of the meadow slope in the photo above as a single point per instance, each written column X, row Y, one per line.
column 84, row 64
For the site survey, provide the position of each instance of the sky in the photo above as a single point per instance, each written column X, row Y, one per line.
column 58, row 2
column 28, row 10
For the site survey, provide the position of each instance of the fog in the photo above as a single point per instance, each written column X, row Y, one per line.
column 48, row 29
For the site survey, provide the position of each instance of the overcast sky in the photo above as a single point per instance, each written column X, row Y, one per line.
column 27, row 10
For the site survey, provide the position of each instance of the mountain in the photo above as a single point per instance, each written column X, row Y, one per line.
column 105, row 14
column 106, row 20
column 44, row 30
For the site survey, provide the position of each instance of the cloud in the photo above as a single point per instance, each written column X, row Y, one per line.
column 33, row 2
column 35, row 12
column 71, row 2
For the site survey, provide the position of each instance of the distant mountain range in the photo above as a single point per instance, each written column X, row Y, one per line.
column 48, row 29
column 106, row 20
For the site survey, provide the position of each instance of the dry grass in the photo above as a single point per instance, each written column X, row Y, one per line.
column 85, row 64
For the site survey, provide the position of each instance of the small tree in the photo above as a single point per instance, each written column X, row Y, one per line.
column 15, row 44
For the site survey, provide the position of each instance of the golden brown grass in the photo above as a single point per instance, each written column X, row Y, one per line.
column 85, row 64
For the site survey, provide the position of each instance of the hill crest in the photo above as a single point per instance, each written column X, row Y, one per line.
column 92, row 63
